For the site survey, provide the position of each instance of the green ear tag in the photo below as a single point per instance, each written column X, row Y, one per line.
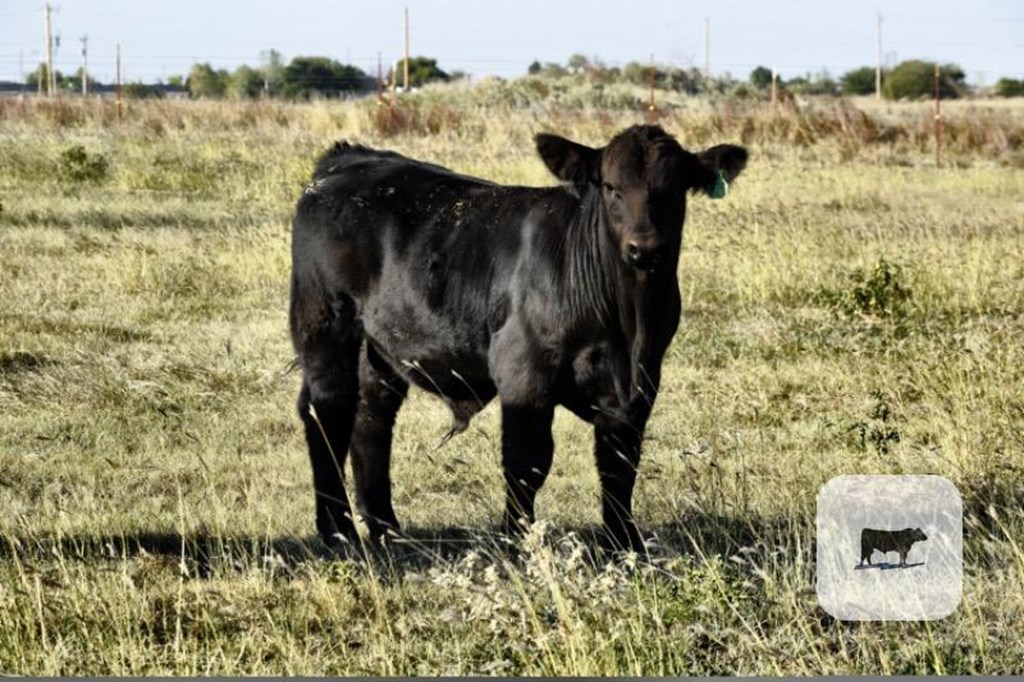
column 720, row 188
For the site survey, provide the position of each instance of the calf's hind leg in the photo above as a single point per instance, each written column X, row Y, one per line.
column 381, row 393
column 327, row 407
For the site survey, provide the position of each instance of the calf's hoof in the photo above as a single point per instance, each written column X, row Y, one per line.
column 625, row 537
column 382, row 535
column 515, row 525
column 337, row 530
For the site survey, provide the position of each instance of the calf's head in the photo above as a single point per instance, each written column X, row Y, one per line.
column 643, row 176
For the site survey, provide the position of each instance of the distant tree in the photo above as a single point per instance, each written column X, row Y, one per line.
column 64, row 82
column 743, row 91
column 422, row 70
column 1009, row 87
column 825, row 84
column 207, row 82
column 798, row 84
column 701, row 82
column 41, row 74
column 915, row 78
column 953, row 81
column 636, row 73
column 817, row 84
column 245, row 83
column 307, row 76
column 534, row 68
column 176, row 81
column 607, row 74
column 723, row 84
column 553, row 70
column 953, row 78
column 690, row 81
column 578, row 63
column 761, row 77
column 140, row 90
column 272, row 67
column 33, row 77
column 858, row 81
column 74, row 82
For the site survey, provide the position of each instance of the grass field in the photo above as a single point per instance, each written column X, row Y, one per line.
column 850, row 308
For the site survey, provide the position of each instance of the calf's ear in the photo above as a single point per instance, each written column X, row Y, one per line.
column 568, row 160
column 722, row 164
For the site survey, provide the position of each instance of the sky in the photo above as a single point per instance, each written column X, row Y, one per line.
column 497, row 37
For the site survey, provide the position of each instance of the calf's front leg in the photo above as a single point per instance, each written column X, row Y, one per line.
column 521, row 376
column 618, row 457
column 527, row 449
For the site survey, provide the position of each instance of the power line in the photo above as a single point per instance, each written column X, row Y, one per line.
column 960, row 20
column 25, row 13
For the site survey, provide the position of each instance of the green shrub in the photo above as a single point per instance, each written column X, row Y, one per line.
column 1010, row 87
column 78, row 165
column 879, row 293
column 915, row 78
column 858, row 81
column 878, row 429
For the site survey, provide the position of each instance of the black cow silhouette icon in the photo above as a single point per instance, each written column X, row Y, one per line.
column 886, row 541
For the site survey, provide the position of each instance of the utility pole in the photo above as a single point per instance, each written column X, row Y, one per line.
column 938, row 118
column 119, row 81
column 405, row 70
column 652, row 109
column 707, row 47
column 878, row 63
column 50, row 80
column 56, row 46
column 85, row 65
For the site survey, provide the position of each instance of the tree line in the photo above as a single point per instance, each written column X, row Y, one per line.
column 911, row 79
column 301, row 78
column 308, row 76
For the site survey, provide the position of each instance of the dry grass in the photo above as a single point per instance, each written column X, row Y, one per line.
column 849, row 308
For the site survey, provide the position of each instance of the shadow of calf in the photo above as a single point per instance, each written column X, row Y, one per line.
column 883, row 566
column 202, row 553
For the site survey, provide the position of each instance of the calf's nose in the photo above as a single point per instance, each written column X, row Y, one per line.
column 641, row 257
